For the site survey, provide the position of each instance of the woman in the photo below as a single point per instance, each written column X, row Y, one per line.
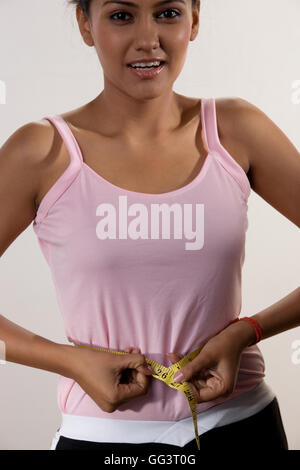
column 100, row 184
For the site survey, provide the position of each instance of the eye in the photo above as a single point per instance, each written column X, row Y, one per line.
column 117, row 13
column 171, row 9
column 123, row 12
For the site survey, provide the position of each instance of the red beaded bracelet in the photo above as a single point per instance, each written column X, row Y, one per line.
column 257, row 328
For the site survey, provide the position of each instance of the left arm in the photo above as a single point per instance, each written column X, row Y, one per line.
column 274, row 175
column 281, row 316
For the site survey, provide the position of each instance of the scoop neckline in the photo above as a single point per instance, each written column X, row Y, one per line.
column 190, row 185
column 200, row 175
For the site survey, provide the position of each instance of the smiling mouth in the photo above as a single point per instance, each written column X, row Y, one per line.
column 147, row 68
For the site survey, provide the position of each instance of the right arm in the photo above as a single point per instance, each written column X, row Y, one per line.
column 20, row 174
column 99, row 373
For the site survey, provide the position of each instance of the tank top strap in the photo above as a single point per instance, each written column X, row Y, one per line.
column 211, row 136
column 67, row 136
column 209, row 124
column 69, row 174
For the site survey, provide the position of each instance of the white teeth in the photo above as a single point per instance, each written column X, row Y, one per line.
column 146, row 64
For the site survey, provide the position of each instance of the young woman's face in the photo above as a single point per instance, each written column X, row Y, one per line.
column 124, row 32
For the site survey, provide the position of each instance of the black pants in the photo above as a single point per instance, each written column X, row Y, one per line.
column 263, row 430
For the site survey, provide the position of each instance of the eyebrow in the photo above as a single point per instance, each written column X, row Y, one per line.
column 134, row 5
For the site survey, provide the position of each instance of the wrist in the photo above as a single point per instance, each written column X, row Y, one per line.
column 242, row 333
column 67, row 365
column 53, row 357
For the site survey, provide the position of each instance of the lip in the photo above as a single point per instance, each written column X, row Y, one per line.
column 154, row 59
column 147, row 73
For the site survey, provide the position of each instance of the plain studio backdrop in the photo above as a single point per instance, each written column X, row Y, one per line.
column 245, row 48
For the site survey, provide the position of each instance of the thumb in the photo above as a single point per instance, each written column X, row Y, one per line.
column 196, row 368
column 174, row 357
column 137, row 361
column 139, row 377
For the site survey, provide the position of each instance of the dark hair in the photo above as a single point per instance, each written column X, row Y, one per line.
column 85, row 4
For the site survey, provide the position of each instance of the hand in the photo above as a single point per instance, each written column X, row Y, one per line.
column 213, row 372
column 110, row 379
column 138, row 351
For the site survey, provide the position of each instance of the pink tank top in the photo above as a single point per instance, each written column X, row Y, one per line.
column 158, row 271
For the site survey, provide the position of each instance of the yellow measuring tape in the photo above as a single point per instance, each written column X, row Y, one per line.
column 166, row 374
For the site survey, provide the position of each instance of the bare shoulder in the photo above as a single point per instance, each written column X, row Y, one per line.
column 27, row 146
column 245, row 123
column 29, row 143
column 25, row 133
column 273, row 158
column 21, row 157
column 234, row 116
column 31, row 154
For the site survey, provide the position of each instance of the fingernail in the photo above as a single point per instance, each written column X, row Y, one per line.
column 178, row 377
column 150, row 368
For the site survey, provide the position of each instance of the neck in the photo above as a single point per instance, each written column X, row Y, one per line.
column 137, row 120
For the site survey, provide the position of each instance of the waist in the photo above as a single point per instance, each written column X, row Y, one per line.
column 102, row 429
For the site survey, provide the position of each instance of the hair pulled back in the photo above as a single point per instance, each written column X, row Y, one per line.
column 85, row 5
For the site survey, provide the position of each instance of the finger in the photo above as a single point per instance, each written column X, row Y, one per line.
column 195, row 392
column 174, row 357
column 206, row 390
column 214, row 373
column 195, row 367
column 132, row 389
column 199, row 391
column 199, row 383
column 131, row 349
column 144, row 367
column 201, row 377
column 214, row 389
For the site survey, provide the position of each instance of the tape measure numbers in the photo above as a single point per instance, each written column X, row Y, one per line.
column 166, row 375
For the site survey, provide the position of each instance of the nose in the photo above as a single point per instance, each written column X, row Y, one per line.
column 146, row 34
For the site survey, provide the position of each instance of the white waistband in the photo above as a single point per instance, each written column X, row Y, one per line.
column 97, row 429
